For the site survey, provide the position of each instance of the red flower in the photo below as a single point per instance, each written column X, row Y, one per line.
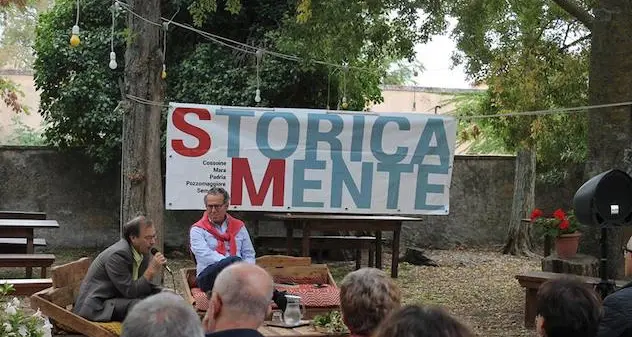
column 564, row 224
column 559, row 214
column 536, row 214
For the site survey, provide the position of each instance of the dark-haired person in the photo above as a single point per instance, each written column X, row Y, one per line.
column 567, row 307
column 422, row 321
column 617, row 318
column 218, row 240
column 121, row 275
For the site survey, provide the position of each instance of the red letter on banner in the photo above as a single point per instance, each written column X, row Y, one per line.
column 204, row 139
column 242, row 173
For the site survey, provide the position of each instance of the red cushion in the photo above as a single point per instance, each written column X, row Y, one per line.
column 314, row 297
column 201, row 302
column 311, row 296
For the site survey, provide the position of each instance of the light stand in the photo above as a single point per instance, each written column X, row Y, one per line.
column 605, row 286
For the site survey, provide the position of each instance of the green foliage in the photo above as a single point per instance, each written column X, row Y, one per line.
column 15, row 322
column 80, row 93
column 527, row 54
column 23, row 134
column 331, row 322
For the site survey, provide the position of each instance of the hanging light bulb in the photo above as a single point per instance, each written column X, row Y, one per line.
column 344, row 102
column 163, row 74
column 258, row 96
column 113, row 64
column 74, row 39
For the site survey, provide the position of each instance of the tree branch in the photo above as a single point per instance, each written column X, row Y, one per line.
column 575, row 10
column 575, row 42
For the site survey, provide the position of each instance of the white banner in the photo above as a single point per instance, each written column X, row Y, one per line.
column 304, row 160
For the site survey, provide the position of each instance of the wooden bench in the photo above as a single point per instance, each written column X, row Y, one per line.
column 28, row 260
column 22, row 215
column 18, row 245
column 321, row 242
column 56, row 302
column 27, row 287
column 532, row 280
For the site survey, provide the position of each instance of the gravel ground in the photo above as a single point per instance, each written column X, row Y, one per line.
column 477, row 286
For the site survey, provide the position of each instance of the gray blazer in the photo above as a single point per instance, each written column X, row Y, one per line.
column 109, row 285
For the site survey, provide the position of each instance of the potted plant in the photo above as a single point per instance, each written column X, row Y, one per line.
column 562, row 226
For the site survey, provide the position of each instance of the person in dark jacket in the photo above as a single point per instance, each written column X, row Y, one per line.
column 567, row 307
column 617, row 319
column 121, row 275
column 239, row 301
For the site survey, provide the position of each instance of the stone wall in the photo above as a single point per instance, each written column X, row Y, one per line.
column 87, row 204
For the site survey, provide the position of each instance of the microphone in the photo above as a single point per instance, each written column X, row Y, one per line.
column 153, row 251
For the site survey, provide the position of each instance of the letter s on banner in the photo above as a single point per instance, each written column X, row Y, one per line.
column 204, row 139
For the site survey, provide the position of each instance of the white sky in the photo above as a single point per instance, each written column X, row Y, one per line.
column 435, row 57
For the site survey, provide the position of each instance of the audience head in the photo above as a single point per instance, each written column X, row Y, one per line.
column 241, row 298
column 162, row 315
column 627, row 254
column 422, row 321
column 567, row 307
column 140, row 233
column 367, row 295
column 216, row 203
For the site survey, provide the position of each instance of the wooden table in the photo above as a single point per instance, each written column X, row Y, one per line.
column 302, row 331
column 342, row 222
column 19, row 228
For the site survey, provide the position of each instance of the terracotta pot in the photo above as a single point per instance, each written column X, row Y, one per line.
column 566, row 245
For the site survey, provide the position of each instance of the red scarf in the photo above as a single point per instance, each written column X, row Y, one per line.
column 234, row 226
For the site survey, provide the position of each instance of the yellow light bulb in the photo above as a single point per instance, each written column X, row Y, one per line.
column 163, row 75
column 74, row 40
column 345, row 105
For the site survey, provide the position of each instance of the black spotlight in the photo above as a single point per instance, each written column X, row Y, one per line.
column 605, row 201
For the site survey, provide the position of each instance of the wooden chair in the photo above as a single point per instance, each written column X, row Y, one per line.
column 56, row 302
column 296, row 275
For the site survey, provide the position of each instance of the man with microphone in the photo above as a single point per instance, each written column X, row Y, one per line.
column 120, row 276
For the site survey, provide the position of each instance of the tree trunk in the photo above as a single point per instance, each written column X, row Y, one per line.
column 519, row 235
column 609, row 139
column 141, row 157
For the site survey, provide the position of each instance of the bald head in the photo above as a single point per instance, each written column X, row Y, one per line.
column 245, row 290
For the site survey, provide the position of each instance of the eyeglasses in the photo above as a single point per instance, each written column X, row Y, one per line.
column 218, row 207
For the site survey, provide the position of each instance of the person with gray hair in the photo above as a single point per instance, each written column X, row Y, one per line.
column 367, row 295
column 239, row 301
column 165, row 314
column 218, row 240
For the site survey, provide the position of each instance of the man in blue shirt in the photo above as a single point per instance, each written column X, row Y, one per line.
column 218, row 240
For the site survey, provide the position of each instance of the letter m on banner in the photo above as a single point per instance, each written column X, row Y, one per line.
column 242, row 175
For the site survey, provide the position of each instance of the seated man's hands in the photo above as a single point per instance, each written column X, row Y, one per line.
column 155, row 266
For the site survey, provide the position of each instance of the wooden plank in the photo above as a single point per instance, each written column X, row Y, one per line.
column 22, row 241
column 70, row 274
column 26, row 260
column 535, row 278
column 184, row 277
column 29, row 223
column 22, row 215
column 277, row 261
column 312, row 271
column 63, row 296
column 27, row 287
column 320, row 241
column 67, row 318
